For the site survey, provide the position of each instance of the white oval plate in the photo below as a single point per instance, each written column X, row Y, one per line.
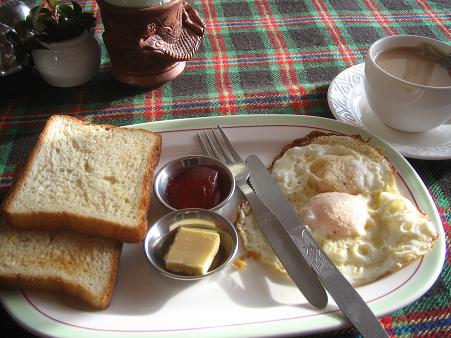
column 347, row 101
column 251, row 302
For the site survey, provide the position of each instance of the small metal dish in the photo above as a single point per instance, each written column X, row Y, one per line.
column 176, row 167
column 161, row 235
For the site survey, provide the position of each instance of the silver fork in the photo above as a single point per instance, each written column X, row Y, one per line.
column 220, row 147
column 231, row 157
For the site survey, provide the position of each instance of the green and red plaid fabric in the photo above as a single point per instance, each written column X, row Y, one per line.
column 258, row 57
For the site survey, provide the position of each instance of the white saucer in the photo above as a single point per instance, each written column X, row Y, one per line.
column 346, row 98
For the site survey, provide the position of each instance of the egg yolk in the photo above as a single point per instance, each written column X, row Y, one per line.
column 336, row 214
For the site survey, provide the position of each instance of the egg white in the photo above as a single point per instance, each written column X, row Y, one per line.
column 346, row 192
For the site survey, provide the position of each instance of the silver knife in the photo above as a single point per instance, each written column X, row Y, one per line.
column 345, row 296
column 297, row 268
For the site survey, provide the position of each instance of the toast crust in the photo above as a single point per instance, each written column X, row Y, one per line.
column 61, row 285
column 81, row 223
column 86, row 225
column 19, row 245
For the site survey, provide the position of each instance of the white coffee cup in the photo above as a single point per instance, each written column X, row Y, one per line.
column 400, row 104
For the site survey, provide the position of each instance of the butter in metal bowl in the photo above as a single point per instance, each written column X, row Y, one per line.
column 190, row 244
column 192, row 251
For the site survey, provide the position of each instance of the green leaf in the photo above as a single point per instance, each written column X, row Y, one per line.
column 35, row 10
column 33, row 16
column 45, row 10
column 77, row 8
column 64, row 10
column 43, row 22
column 52, row 3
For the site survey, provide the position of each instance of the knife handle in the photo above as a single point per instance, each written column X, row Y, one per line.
column 344, row 294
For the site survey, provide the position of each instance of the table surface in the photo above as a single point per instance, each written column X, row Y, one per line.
column 257, row 57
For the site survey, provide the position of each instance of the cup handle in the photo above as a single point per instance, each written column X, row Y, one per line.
column 185, row 45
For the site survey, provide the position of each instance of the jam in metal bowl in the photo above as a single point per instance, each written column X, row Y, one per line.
column 194, row 182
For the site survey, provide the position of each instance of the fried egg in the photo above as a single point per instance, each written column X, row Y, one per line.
column 345, row 192
column 333, row 163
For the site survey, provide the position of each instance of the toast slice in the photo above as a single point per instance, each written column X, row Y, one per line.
column 93, row 179
column 81, row 266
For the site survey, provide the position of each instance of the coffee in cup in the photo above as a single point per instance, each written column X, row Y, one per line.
column 408, row 83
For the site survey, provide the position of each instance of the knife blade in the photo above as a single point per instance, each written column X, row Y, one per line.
column 294, row 263
column 344, row 294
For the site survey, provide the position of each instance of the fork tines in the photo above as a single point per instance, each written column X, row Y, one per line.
column 215, row 145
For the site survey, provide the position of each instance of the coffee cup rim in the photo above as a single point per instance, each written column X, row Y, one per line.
column 371, row 56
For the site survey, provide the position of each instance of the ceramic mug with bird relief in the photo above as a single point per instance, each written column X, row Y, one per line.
column 149, row 41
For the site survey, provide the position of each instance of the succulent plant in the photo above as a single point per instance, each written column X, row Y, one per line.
column 58, row 21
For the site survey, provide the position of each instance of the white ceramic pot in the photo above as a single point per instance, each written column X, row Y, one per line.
column 69, row 63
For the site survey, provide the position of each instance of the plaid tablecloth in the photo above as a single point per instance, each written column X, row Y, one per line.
column 257, row 57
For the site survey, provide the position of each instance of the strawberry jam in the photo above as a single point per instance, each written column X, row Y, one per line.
column 196, row 187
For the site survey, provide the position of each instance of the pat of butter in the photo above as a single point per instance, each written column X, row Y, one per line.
column 192, row 251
